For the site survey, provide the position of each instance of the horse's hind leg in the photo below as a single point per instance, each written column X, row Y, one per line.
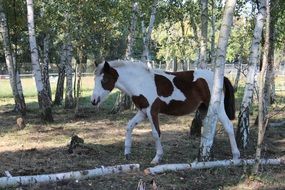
column 139, row 117
column 153, row 118
column 229, row 129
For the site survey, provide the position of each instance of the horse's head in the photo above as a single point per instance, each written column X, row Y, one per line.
column 105, row 79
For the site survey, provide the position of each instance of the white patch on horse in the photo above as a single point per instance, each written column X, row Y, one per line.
column 205, row 74
column 176, row 94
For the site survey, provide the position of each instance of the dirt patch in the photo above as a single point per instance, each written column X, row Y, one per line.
column 43, row 148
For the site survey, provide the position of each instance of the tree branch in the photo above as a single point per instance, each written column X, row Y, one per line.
column 212, row 164
column 83, row 174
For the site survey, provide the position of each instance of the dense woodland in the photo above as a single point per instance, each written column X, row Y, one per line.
column 70, row 37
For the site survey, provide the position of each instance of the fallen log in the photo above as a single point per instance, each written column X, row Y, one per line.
column 76, row 175
column 211, row 164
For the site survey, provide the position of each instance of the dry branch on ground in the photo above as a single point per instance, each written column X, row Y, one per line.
column 212, row 164
column 76, row 175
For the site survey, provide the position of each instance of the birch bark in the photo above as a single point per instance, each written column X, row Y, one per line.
column 11, row 181
column 45, row 65
column 69, row 101
column 262, row 110
column 204, row 33
column 146, row 55
column 213, row 27
column 61, row 76
column 43, row 98
column 243, row 117
column 131, row 36
column 10, row 60
column 210, row 122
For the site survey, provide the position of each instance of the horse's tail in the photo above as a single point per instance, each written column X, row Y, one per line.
column 229, row 101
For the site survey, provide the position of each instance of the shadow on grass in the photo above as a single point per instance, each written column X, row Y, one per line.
column 52, row 160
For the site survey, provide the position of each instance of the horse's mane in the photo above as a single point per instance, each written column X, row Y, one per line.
column 122, row 63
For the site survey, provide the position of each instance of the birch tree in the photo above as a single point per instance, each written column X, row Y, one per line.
column 262, row 109
column 131, row 36
column 45, row 65
column 10, row 60
column 213, row 28
column 69, row 100
column 43, row 98
column 146, row 41
column 243, row 117
column 204, row 34
column 61, row 77
column 210, row 122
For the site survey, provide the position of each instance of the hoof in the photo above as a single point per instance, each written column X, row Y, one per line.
column 128, row 156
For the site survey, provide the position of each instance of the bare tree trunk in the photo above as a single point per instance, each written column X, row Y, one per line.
column 14, row 77
column 243, row 118
column 262, row 110
column 10, row 181
column 69, row 101
column 196, row 125
column 45, row 66
column 123, row 102
column 210, row 122
column 204, row 33
column 206, row 165
column 213, row 26
column 43, row 98
column 269, row 78
column 78, row 85
column 131, row 36
column 239, row 62
column 61, row 76
column 174, row 64
column 146, row 55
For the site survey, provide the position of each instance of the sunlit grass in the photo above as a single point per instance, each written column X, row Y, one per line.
column 29, row 86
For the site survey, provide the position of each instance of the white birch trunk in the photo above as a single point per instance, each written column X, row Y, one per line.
column 262, row 110
column 210, row 122
column 243, row 118
column 238, row 73
column 146, row 54
column 69, row 101
column 45, row 66
column 61, row 76
column 10, row 60
column 77, row 82
column 131, row 36
column 6, row 182
column 204, row 34
column 213, row 21
column 206, row 165
column 44, row 100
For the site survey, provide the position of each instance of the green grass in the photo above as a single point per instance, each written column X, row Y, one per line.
column 29, row 87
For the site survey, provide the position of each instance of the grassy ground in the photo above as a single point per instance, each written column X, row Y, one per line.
column 42, row 148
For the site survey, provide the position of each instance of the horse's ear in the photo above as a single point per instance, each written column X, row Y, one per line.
column 106, row 67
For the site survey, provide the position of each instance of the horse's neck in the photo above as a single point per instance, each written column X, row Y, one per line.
column 131, row 78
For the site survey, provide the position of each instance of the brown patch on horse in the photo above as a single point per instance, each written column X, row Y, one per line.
column 197, row 94
column 155, row 108
column 164, row 86
column 140, row 101
column 110, row 77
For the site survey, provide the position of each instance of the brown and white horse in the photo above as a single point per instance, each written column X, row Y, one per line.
column 155, row 91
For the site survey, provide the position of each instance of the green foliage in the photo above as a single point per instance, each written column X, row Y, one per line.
column 99, row 29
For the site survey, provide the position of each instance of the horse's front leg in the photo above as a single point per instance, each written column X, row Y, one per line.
column 153, row 118
column 139, row 117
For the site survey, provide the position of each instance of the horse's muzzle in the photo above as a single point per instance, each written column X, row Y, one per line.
column 94, row 102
